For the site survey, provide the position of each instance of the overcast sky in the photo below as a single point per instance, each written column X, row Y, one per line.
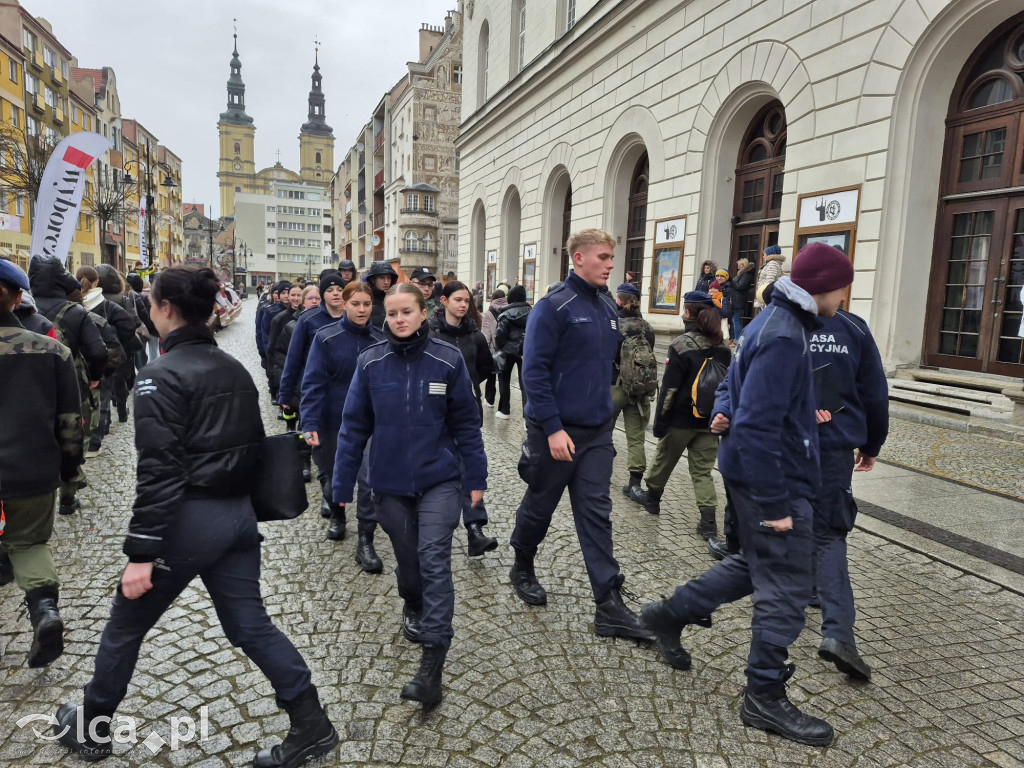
column 171, row 60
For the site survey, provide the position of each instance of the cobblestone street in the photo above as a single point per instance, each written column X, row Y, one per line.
column 524, row 686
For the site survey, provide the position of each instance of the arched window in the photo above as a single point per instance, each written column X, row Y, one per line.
column 978, row 260
column 566, row 231
column 412, row 241
column 483, row 61
column 238, row 147
column 428, row 242
column 318, row 160
column 636, row 224
column 760, row 170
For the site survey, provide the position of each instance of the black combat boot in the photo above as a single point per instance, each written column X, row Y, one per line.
column 772, row 710
column 707, row 528
column 650, row 500
column 336, row 526
column 426, row 686
column 479, row 542
column 47, row 627
column 310, row 734
column 614, row 619
column 366, row 556
column 122, row 413
column 666, row 626
column 69, row 507
column 525, row 580
column 325, row 505
column 845, row 657
column 81, row 741
column 634, row 482
column 719, row 548
column 412, row 622
column 6, row 569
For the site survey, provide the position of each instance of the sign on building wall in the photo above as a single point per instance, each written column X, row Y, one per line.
column 667, row 269
column 829, row 217
column 529, row 269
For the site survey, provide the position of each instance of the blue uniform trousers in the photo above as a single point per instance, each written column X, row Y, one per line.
column 218, row 541
column 775, row 568
column 587, row 477
column 323, row 455
column 835, row 512
column 421, row 529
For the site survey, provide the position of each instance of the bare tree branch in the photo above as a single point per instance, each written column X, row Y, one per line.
column 24, row 160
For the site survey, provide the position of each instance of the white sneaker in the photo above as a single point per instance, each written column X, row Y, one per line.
column 488, row 405
column 91, row 454
column 501, row 415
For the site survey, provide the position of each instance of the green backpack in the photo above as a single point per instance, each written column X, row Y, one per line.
column 638, row 367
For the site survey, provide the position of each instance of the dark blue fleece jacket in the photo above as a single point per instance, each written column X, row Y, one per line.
column 768, row 395
column 415, row 398
column 851, row 382
column 263, row 329
column 572, row 339
column 329, row 371
column 306, row 326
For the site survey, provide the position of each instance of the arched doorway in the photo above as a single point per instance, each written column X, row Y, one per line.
column 977, row 271
column 508, row 267
column 636, row 226
column 478, row 243
column 757, row 204
column 565, row 261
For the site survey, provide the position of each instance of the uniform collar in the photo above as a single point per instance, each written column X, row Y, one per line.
column 188, row 334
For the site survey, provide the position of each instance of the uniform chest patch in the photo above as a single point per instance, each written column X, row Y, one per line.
column 437, row 388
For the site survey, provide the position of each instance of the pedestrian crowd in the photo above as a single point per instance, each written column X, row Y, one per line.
column 383, row 385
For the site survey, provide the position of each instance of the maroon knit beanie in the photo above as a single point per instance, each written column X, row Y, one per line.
column 820, row 268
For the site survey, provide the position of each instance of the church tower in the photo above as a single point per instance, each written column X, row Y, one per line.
column 237, row 170
column 316, row 139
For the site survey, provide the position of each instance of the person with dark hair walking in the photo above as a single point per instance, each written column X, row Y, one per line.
column 677, row 425
column 325, row 384
column 198, row 435
column 487, row 327
column 40, row 411
column 413, row 395
column 769, row 458
column 636, row 336
column 452, row 323
column 509, row 336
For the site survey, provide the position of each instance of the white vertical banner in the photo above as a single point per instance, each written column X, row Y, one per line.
column 60, row 193
column 143, row 245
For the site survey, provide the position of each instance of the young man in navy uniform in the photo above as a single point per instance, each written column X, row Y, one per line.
column 571, row 341
column 853, row 415
column 769, row 459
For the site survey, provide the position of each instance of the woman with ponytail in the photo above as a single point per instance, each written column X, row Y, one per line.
column 198, row 433
column 676, row 423
column 329, row 370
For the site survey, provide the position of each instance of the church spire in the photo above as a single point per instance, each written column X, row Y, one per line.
column 316, row 122
column 236, row 92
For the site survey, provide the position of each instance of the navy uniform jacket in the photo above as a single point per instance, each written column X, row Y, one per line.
column 851, row 384
column 306, row 326
column 329, row 371
column 768, row 395
column 572, row 339
column 415, row 399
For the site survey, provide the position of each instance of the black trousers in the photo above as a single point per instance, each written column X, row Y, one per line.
column 587, row 477
column 324, row 455
column 835, row 513
column 775, row 568
column 505, row 383
column 216, row 540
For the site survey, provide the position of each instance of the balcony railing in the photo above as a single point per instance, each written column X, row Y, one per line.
column 421, row 211
column 378, row 140
column 378, row 179
column 417, row 248
column 362, row 228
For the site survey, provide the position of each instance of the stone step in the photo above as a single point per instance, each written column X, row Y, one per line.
column 961, row 379
column 973, row 402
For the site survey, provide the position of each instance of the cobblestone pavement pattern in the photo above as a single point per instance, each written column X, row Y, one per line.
column 526, row 686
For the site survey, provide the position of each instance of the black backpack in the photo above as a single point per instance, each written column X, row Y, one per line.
column 702, row 392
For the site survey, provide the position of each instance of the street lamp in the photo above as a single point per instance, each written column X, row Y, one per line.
column 168, row 183
column 210, row 230
column 309, row 267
